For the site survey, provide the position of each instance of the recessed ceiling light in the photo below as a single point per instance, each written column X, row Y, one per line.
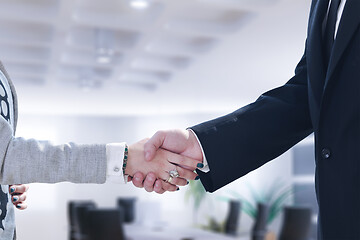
column 139, row 4
column 104, row 55
column 104, row 45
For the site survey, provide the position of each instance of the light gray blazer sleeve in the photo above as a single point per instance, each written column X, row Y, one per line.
column 29, row 161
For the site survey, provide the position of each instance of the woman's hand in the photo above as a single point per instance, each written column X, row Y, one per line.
column 18, row 195
column 162, row 164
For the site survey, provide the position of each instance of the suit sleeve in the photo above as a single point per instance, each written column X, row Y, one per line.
column 246, row 139
column 29, row 160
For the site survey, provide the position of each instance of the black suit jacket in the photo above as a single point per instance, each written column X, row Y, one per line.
column 317, row 99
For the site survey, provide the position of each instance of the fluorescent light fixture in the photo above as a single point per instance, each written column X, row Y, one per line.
column 139, row 4
column 104, row 55
column 104, row 45
column 87, row 83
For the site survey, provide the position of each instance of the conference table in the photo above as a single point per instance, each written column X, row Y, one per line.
column 136, row 232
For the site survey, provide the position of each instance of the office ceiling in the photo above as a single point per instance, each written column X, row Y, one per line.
column 115, row 45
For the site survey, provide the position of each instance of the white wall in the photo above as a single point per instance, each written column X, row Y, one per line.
column 262, row 55
column 46, row 215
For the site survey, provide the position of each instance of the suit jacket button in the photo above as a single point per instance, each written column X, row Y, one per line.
column 325, row 153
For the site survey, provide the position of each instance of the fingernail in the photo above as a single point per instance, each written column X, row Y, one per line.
column 177, row 189
column 18, row 206
column 197, row 178
column 12, row 189
column 200, row 165
column 137, row 178
column 15, row 199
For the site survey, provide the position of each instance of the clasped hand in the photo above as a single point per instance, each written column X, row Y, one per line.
column 165, row 172
column 166, row 151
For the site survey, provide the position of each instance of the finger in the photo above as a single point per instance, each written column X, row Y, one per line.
column 149, row 182
column 16, row 189
column 129, row 179
column 179, row 181
column 138, row 180
column 187, row 162
column 21, row 206
column 187, row 174
column 153, row 144
column 19, row 198
column 158, row 187
column 169, row 187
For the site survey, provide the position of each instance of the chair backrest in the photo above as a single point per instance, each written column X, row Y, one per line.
column 106, row 224
column 259, row 229
column 128, row 205
column 233, row 217
column 296, row 223
column 77, row 211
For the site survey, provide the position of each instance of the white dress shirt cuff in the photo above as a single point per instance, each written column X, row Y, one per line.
column 206, row 168
column 115, row 158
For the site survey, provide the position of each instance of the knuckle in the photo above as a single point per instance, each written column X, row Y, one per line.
column 180, row 171
column 182, row 159
column 149, row 181
column 160, row 133
column 182, row 183
column 167, row 187
column 148, row 185
column 138, row 184
column 160, row 191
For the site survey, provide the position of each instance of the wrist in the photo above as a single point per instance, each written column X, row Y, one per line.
column 128, row 168
column 125, row 160
column 134, row 153
column 195, row 145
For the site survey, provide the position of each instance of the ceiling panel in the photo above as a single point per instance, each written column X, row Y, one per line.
column 181, row 44
column 116, row 14
column 87, row 37
column 89, row 42
column 208, row 21
column 152, row 61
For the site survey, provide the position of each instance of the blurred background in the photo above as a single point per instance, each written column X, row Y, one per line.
column 93, row 71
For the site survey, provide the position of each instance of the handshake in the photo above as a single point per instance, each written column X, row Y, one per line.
column 165, row 161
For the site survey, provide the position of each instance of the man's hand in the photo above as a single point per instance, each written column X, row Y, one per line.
column 179, row 141
column 183, row 142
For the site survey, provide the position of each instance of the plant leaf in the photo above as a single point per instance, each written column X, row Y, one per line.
column 276, row 206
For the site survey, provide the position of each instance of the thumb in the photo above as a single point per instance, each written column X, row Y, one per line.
column 153, row 144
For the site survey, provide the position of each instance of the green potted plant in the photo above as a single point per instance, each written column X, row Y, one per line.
column 197, row 193
column 275, row 196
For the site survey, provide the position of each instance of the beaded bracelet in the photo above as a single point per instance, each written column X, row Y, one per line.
column 126, row 152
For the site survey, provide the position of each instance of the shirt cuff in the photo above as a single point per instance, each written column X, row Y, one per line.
column 206, row 168
column 115, row 158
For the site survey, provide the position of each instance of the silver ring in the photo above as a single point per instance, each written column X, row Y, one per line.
column 174, row 173
column 169, row 179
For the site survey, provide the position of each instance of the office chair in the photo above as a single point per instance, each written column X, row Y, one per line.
column 77, row 215
column 296, row 223
column 106, row 224
column 128, row 205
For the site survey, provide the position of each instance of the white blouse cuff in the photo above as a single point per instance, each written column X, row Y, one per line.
column 115, row 158
column 206, row 168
